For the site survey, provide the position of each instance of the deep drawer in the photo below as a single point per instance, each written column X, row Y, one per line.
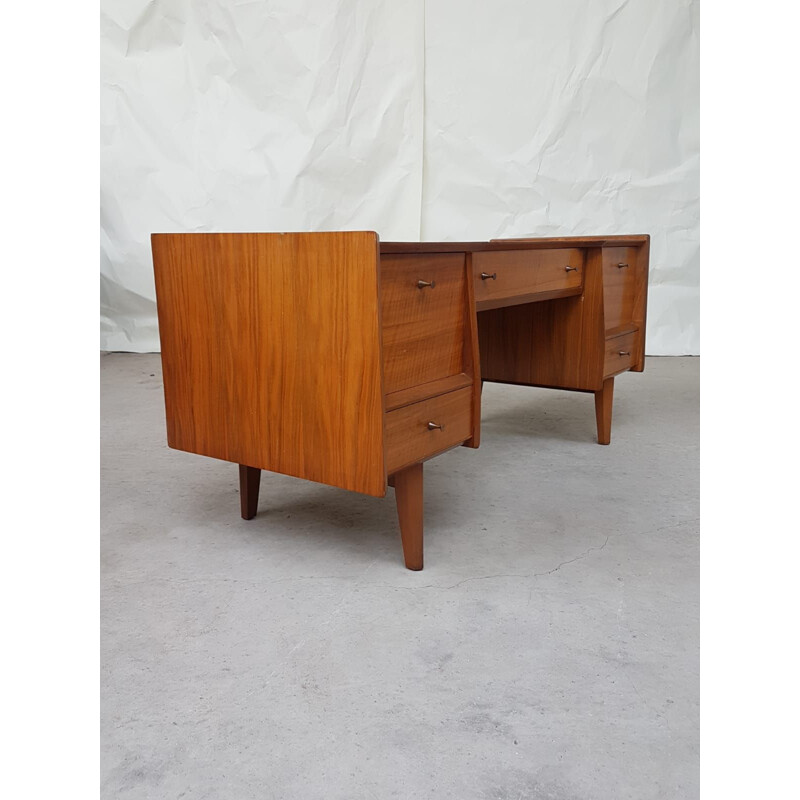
column 423, row 325
column 620, row 281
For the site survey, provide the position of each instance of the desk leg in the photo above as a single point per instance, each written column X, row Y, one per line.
column 249, row 483
column 408, row 494
column 603, row 401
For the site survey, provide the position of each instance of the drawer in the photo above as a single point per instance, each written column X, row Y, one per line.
column 620, row 353
column 410, row 439
column 510, row 277
column 423, row 326
column 620, row 280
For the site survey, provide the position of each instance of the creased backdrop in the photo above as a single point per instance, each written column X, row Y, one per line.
column 420, row 119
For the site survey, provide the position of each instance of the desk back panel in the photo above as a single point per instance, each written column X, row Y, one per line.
column 271, row 351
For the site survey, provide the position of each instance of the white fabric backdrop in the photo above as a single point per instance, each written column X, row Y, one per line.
column 420, row 119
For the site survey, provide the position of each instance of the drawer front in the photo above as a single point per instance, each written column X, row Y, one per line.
column 620, row 353
column 409, row 438
column 620, row 280
column 423, row 326
column 509, row 277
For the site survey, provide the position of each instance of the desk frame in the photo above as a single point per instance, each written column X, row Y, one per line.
column 348, row 361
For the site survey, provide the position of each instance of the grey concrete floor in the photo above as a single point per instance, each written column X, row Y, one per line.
column 549, row 649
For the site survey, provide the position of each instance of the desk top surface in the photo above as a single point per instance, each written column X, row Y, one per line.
column 544, row 243
column 389, row 248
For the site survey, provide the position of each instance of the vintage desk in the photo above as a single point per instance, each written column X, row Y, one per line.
column 349, row 361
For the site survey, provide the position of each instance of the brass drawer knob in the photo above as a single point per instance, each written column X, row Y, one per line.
column 423, row 284
column 485, row 276
column 432, row 426
column 570, row 269
column 622, row 266
column 624, row 352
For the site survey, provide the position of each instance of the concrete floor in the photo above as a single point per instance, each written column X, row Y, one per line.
column 549, row 650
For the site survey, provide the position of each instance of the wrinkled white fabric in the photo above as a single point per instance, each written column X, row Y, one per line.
column 436, row 119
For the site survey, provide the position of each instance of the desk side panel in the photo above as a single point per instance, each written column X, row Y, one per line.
column 271, row 352
column 640, row 303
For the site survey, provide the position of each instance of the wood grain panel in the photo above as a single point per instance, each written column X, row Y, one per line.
column 524, row 276
column 408, row 438
column 423, row 328
column 271, row 352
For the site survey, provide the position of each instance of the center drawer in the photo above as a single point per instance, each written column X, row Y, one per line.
column 423, row 308
column 421, row 430
column 510, row 277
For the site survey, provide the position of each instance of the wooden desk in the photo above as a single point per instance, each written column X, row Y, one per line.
column 348, row 361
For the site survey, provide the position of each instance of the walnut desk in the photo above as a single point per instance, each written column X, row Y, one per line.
column 348, row 361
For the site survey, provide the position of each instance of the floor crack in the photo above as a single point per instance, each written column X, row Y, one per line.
column 579, row 557
column 572, row 560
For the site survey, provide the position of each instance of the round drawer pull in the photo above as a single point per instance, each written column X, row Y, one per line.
column 485, row 276
column 624, row 352
column 432, row 426
column 570, row 269
column 423, row 284
column 622, row 266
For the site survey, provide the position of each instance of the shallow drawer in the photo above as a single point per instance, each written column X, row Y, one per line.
column 509, row 277
column 619, row 286
column 410, row 437
column 423, row 325
column 620, row 353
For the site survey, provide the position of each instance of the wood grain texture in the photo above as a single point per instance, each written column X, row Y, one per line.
column 625, row 294
column 408, row 437
column 423, row 328
column 271, row 352
column 523, row 276
column 557, row 343
column 409, row 496
column 620, row 279
column 640, row 243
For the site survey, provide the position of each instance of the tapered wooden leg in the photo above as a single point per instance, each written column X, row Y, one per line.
column 249, row 483
column 408, row 494
column 603, row 401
